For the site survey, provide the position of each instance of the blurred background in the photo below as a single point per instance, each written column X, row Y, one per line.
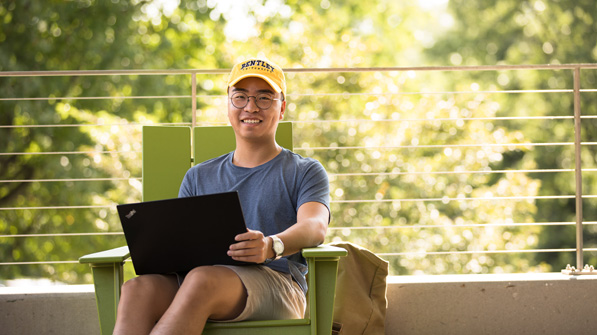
column 452, row 170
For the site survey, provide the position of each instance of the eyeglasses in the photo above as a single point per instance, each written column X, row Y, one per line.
column 262, row 100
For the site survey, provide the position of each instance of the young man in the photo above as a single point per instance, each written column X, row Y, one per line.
column 285, row 198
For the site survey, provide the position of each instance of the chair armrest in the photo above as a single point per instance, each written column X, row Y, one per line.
column 117, row 255
column 122, row 253
column 324, row 251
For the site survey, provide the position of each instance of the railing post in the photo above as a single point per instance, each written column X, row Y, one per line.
column 578, row 170
column 194, row 99
column 193, row 112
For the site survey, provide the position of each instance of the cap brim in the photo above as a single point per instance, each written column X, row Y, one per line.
column 269, row 81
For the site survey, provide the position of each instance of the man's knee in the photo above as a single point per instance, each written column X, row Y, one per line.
column 217, row 289
column 212, row 280
column 203, row 278
column 136, row 285
column 145, row 286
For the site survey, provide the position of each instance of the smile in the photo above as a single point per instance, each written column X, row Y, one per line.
column 251, row 121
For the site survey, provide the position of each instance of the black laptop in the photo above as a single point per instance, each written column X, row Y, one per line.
column 177, row 235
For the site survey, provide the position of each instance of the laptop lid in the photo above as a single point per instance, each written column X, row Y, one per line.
column 177, row 235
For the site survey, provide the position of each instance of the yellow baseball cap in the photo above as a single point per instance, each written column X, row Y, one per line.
column 260, row 68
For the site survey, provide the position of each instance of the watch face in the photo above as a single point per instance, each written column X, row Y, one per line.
column 278, row 246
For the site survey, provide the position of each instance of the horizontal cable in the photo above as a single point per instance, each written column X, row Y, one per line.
column 585, row 66
column 356, row 174
column 474, row 225
column 454, row 119
column 520, row 224
column 322, row 148
column 84, row 73
column 57, row 207
column 64, row 180
column 399, row 173
column 504, row 118
column 432, row 146
column 94, row 125
column 365, row 174
column 38, row 263
column 447, row 199
column 118, row 97
column 61, row 235
column 568, row 90
column 69, row 152
column 582, row 66
column 298, row 95
column 444, row 199
column 348, row 94
column 343, row 94
column 471, row 252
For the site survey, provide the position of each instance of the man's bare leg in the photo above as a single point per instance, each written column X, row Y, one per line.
column 212, row 292
column 143, row 301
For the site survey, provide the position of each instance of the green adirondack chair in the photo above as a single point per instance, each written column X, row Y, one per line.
column 166, row 158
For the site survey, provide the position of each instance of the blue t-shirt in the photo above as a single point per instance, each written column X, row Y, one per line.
column 270, row 194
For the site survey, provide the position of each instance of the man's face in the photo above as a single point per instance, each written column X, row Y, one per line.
column 251, row 122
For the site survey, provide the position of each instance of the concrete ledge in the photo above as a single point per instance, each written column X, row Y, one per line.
column 549, row 303
column 68, row 310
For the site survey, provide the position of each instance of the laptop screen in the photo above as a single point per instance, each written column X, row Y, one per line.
column 177, row 235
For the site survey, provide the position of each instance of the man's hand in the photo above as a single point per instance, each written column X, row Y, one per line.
column 251, row 246
column 309, row 231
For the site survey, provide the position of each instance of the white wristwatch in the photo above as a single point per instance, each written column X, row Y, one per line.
column 278, row 247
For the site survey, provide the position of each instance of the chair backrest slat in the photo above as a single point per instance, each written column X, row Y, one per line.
column 166, row 159
column 212, row 142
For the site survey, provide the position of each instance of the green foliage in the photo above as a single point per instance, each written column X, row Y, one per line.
column 536, row 32
column 409, row 172
column 81, row 35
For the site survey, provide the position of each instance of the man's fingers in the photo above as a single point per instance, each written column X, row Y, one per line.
column 246, row 244
column 245, row 255
column 251, row 247
column 250, row 235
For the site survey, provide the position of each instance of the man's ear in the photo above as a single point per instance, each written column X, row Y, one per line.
column 282, row 110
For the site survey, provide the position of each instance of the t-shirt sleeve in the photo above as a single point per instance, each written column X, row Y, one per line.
column 186, row 187
column 315, row 186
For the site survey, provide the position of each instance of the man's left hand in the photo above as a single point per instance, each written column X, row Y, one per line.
column 251, row 246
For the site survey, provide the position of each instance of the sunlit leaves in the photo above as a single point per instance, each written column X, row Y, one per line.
column 419, row 161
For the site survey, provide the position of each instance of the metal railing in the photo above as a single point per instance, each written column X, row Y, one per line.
column 198, row 117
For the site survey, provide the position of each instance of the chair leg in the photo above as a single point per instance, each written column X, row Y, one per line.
column 325, row 271
column 107, row 279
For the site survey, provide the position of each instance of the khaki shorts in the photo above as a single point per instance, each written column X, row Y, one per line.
column 272, row 295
